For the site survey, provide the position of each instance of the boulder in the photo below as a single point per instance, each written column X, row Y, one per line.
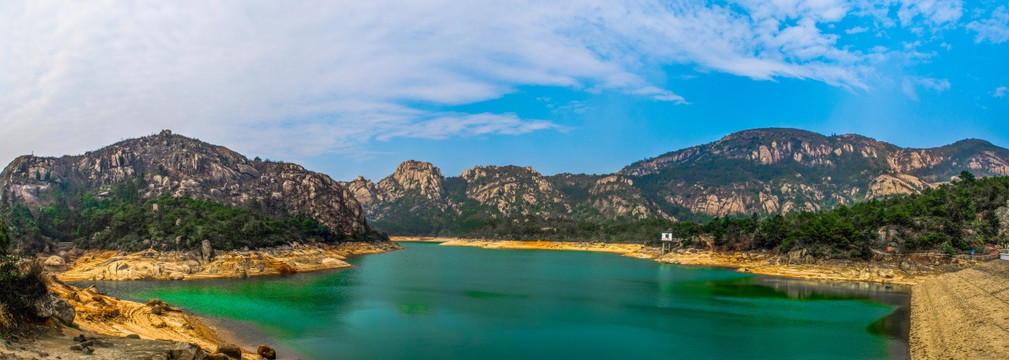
column 184, row 350
column 50, row 306
column 217, row 356
column 158, row 307
column 907, row 265
column 266, row 352
column 885, row 273
column 175, row 275
column 231, row 350
column 55, row 262
column 206, row 251
column 331, row 262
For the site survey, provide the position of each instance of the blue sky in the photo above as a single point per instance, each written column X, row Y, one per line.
column 354, row 88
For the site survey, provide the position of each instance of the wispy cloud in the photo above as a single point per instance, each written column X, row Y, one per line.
column 1000, row 92
column 856, row 30
column 933, row 12
column 911, row 84
column 994, row 29
column 296, row 79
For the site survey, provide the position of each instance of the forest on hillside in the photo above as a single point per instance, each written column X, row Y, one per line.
column 122, row 220
column 957, row 217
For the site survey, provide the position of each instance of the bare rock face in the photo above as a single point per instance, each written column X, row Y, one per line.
column 413, row 175
column 616, row 196
column 514, row 190
column 177, row 165
column 782, row 170
column 895, row 184
column 51, row 306
column 415, row 183
column 762, row 171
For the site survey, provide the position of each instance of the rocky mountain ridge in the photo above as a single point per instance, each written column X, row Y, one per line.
column 763, row 171
column 180, row 166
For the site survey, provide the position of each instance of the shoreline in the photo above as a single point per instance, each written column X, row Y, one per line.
column 155, row 320
column 207, row 333
column 910, row 271
column 110, row 265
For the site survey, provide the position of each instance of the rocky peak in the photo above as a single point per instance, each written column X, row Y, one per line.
column 514, row 190
column 414, row 175
column 365, row 191
column 167, row 163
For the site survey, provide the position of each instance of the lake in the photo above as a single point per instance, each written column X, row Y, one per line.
column 440, row 302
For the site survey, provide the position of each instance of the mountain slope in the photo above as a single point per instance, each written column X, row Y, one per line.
column 136, row 170
column 762, row 171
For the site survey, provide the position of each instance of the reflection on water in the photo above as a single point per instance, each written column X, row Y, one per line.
column 431, row 302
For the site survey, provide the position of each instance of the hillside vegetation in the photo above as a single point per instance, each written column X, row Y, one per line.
column 957, row 217
column 122, row 220
column 761, row 171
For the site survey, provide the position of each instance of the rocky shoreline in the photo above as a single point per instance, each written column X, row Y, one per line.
column 545, row 245
column 170, row 330
column 104, row 327
column 904, row 270
column 99, row 265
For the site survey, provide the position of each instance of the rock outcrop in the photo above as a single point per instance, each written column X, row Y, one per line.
column 783, row 170
column 179, row 265
column 51, row 306
column 763, row 171
column 167, row 163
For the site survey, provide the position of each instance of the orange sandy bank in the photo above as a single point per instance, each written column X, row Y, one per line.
column 105, row 315
column 803, row 268
column 546, row 245
column 764, row 263
column 177, row 265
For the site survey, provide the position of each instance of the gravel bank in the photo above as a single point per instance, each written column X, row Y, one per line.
column 962, row 315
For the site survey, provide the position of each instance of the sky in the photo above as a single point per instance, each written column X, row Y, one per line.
column 354, row 88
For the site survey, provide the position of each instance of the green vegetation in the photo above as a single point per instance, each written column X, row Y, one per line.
column 952, row 218
column 120, row 220
column 21, row 282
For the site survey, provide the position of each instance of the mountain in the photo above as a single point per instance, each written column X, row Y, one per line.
column 133, row 171
column 762, row 171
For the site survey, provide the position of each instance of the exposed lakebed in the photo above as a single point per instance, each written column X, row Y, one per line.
column 436, row 302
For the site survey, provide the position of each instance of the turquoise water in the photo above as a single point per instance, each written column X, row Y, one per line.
column 440, row 302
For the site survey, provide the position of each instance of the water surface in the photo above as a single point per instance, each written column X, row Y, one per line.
column 440, row 302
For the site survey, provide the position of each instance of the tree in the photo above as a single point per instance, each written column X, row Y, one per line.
column 4, row 237
column 967, row 176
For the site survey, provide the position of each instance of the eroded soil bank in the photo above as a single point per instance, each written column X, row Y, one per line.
column 191, row 265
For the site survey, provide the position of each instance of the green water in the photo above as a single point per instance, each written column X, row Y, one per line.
column 440, row 302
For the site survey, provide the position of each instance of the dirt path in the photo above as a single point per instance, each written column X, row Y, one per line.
column 962, row 315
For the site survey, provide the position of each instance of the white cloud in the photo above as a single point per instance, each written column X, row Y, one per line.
column 1000, row 91
column 994, row 30
column 296, row 79
column 934, row 12
column 856, row 30
column 909, row 85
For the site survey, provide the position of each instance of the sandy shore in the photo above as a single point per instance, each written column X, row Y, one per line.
column 190, row 265
column 763, row 263
column 962, row 315
column 545, row 245
column 954, row 315
column 420, row 239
